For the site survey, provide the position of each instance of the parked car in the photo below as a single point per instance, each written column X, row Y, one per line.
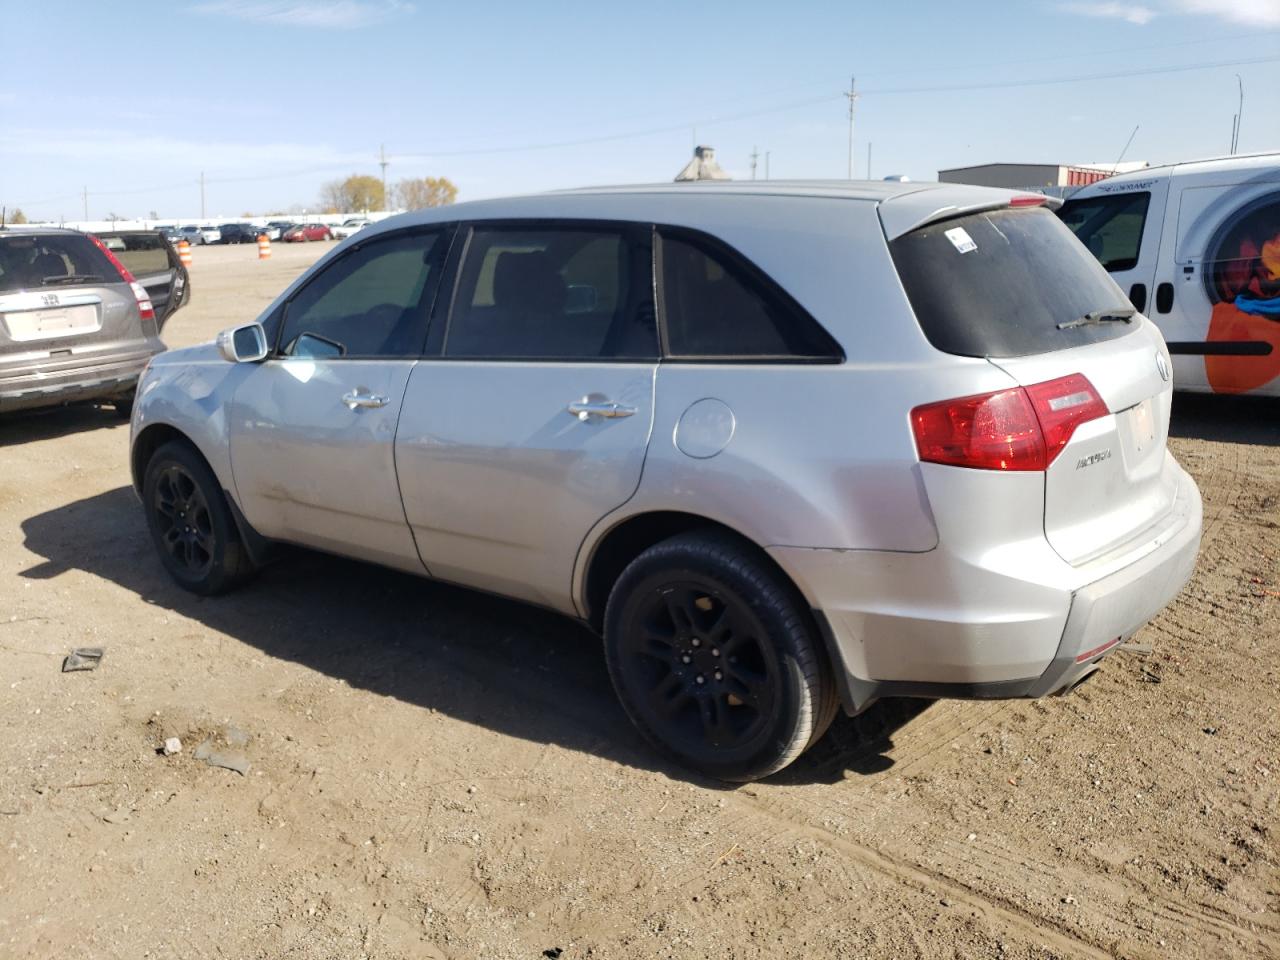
column 156, row 265
column 239, row 233
column 307, row 231
column 271, row 232
column 855, row 441
column 199, row 236
column 74, row 323
column 348, row 227
column 1204, row 236
column 172, row 234
column 280, row 228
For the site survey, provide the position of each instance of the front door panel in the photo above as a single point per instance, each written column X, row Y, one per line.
column 314, row 468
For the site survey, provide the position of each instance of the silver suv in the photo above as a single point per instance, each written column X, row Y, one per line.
column 74, row 322
column 787, row 447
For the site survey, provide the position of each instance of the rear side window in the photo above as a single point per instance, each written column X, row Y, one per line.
column 1109, row 226
column 42, row 262
column 998, row 284
column 717, row 306
column 554, row 293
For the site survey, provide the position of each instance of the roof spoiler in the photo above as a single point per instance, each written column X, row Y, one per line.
column 899, row 218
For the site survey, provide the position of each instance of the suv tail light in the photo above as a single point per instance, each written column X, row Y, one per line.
column 145, row 310
column 1023, row 428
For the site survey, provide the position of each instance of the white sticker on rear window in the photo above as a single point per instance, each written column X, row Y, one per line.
column 960, row 239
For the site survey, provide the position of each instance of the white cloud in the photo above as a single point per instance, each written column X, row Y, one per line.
column 1128, row 12
column 1254, row 13
column 331, row 14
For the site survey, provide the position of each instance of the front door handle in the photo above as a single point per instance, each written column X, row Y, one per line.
column 587, row 408
column 360, row 397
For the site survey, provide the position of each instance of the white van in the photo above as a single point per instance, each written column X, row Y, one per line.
column 1197, row 248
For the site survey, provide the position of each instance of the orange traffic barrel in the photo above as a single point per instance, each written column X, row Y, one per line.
column 264, row 247
column 184, row 253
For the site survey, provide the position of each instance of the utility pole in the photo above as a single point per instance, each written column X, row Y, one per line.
column 1235, row 127
column 868, row 159
column 852, row 94
column 86, row 203
column 766, row 163
column 201, row 194
column 382, row 162
column 755, row 153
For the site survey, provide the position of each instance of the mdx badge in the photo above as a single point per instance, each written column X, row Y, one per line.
column 49, row 299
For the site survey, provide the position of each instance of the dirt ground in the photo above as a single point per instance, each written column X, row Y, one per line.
column 435, row 773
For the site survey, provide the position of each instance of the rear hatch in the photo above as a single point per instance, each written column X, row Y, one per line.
column 1014, row 286
column 64, row 304
column 155, row 264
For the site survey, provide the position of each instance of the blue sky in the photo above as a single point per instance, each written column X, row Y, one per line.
column 270, row 98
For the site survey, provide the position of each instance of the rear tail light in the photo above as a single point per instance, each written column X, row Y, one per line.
column 1024, row 428
column 145, row 309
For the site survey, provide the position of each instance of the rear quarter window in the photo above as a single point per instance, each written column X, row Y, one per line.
column 998, row 284
column 1109, row 226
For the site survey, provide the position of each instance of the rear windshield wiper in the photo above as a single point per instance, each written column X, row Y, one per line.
column 1095, row 317
column 71, row 278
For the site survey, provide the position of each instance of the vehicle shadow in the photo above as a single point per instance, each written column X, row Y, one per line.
column 521, row 671
column 27, row 426
column 1226, row 419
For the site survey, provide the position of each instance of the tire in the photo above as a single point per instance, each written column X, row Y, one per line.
column 207, row 558
column 708, row 605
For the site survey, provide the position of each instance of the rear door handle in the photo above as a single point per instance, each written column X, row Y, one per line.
column 585, row 409
column 360, row 397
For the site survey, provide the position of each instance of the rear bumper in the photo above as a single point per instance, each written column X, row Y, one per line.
column 39, row 388
column 935, row 625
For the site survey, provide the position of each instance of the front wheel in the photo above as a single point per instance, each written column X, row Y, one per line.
column 715, row 657
column 190, row 522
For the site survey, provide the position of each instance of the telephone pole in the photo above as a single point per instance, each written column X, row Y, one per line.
column 86, row 203
column 852, row 94
column 201, row 194
column 382, row 162
column 868, row 159
column 755, row 154
column 766, row 163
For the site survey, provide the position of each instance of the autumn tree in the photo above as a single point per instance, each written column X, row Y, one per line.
column 356, row 192
column 15, row 216
column 418, row 192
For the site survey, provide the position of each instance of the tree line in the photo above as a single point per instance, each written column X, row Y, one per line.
column 364, row 192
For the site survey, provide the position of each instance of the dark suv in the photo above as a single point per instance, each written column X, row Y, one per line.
column 74, row 322
column 239, row 233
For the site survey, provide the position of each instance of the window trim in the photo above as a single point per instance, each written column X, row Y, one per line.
column 447, row 231
column 757, row 281
column 637, row 236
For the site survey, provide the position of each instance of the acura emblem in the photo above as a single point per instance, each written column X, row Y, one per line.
column 1162, row 365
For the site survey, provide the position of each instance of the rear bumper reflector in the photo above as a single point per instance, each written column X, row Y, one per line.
column 1097, row 651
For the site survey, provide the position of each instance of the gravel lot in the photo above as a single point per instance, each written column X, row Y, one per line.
column 435, row 773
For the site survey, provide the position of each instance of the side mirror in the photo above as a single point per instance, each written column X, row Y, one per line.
column 247, row 344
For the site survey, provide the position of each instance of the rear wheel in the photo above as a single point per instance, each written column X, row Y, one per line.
column 715, row 658
column 190, row 523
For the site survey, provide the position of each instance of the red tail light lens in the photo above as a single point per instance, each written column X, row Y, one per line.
column 145, row 308
column 1062, row 405
column 1017, row 429
column 1027, row 200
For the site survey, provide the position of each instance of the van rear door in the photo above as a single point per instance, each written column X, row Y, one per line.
column 1013, row 286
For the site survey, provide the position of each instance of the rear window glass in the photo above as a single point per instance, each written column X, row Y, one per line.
column 1109, row 226
column 141, row 253
column 998, row 284
column 43, row 262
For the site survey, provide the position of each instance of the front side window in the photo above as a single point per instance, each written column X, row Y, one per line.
column 715, row 306
column 554, row 293
column 1109, row 226
column 372, row 302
